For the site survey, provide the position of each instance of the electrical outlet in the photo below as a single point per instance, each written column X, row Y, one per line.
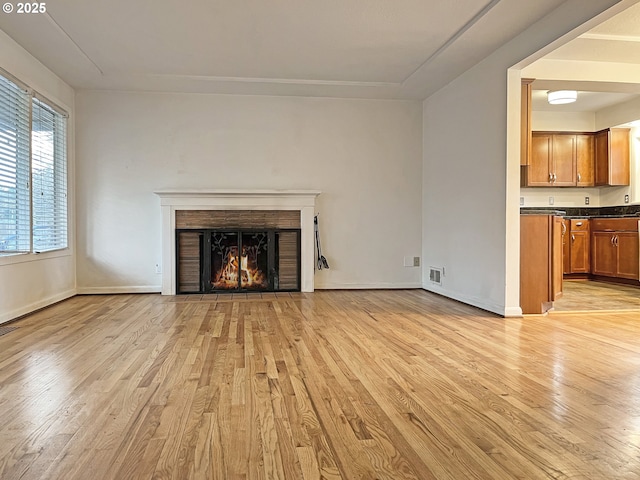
column 586, row 200
column 416, row 261
column 626, row 198
column 521, row 201
column 550, row 200
column 158, row 268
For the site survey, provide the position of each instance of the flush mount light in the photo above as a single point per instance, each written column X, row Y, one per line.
column 558, row 97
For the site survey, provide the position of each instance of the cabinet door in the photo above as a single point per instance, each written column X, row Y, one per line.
column 556, row 258
column 564, row 160
column 525, row 121
column 580, row 254
column 584, row 160
column 539, row 169
column 566, row 251
column 619, row 156
column 627, row 247
column 601, row 149
column 603, row 254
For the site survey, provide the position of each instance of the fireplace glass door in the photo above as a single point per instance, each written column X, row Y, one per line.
column 238, row 260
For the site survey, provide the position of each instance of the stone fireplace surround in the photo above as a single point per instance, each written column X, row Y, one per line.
column 173, row 200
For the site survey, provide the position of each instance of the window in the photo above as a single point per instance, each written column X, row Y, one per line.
column 33, row 172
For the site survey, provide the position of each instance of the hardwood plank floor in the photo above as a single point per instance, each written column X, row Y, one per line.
column 588, row 295
column 330, row 385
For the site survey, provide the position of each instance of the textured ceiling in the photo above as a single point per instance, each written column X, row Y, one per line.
column 359, row 48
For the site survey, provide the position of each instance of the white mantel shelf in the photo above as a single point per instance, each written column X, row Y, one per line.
column 236, row 199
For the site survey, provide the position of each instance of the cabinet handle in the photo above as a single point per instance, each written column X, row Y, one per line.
column 550, row 177
column 554, row 178
column 564, row 229
column 573, row 238
column 579, row 178
column 578, row 224
column 616, row 240
column 613, row 238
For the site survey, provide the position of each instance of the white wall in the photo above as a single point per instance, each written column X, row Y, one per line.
column 29, row 282
column 364, row 155
column 471, row 170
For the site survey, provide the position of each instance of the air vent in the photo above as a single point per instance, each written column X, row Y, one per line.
column 435, row 275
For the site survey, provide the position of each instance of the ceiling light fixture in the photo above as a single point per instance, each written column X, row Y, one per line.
column 558, row 97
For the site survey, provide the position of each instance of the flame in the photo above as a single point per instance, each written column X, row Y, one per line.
column 250, row 276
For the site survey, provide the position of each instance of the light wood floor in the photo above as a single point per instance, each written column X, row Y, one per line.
column 382, row 384
column 587, row 295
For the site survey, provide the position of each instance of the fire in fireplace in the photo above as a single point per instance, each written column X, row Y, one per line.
column 231, row 271
column 238, row 260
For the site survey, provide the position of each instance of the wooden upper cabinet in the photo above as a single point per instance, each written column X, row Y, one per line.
column 525, row 121
column 540, row 164
column 560, row 159
column 553, row 160
column 585, row 160
column 612, row 157
column 564, row 160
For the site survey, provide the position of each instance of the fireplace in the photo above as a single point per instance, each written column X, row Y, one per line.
column 208, row 211
column 238, row 260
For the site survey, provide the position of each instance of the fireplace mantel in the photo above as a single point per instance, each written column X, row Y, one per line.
column 174, row 199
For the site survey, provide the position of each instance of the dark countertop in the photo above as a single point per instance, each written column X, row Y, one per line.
column 585, row 212
column 542, row 211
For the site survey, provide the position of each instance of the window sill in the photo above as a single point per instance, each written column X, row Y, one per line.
column 15, row 258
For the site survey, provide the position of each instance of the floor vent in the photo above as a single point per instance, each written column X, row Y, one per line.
column 4, row 330
column 435, row 275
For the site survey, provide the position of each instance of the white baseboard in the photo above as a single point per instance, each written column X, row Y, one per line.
column 119, row 290
column 475, row 301
column 45, row 302
column 366, row 286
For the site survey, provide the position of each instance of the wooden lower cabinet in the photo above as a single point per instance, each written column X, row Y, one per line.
column 628, row 261
column 603, row 254
column 576, row 246
column 540, row 262
column 566, row 250
column 615, row 249
column 580, row 252
column 579, row 246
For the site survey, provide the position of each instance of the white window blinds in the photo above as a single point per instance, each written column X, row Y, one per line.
column 15, row 211
column 33, row 172
column 48, row 177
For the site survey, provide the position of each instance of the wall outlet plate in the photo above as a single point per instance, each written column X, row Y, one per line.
column 158, row 268
column 521, row 201
column 551, row 200
column 416, row 261
column 626, row 198
column 586, row 200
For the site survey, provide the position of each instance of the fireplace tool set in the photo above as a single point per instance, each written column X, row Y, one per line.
column 321, row 261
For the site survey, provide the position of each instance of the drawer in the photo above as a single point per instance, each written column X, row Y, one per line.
column 579, row 225
column 614, row 224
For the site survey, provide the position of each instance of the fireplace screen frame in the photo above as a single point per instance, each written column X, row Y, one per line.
column 206, row 264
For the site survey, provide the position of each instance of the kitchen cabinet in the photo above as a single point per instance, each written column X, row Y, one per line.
column 585, row 160
column 540, row 262
column 553, row 160
column 579, row 241
column 525, row 121
column 612, row 157
column 615, row 248
column 566, row 252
